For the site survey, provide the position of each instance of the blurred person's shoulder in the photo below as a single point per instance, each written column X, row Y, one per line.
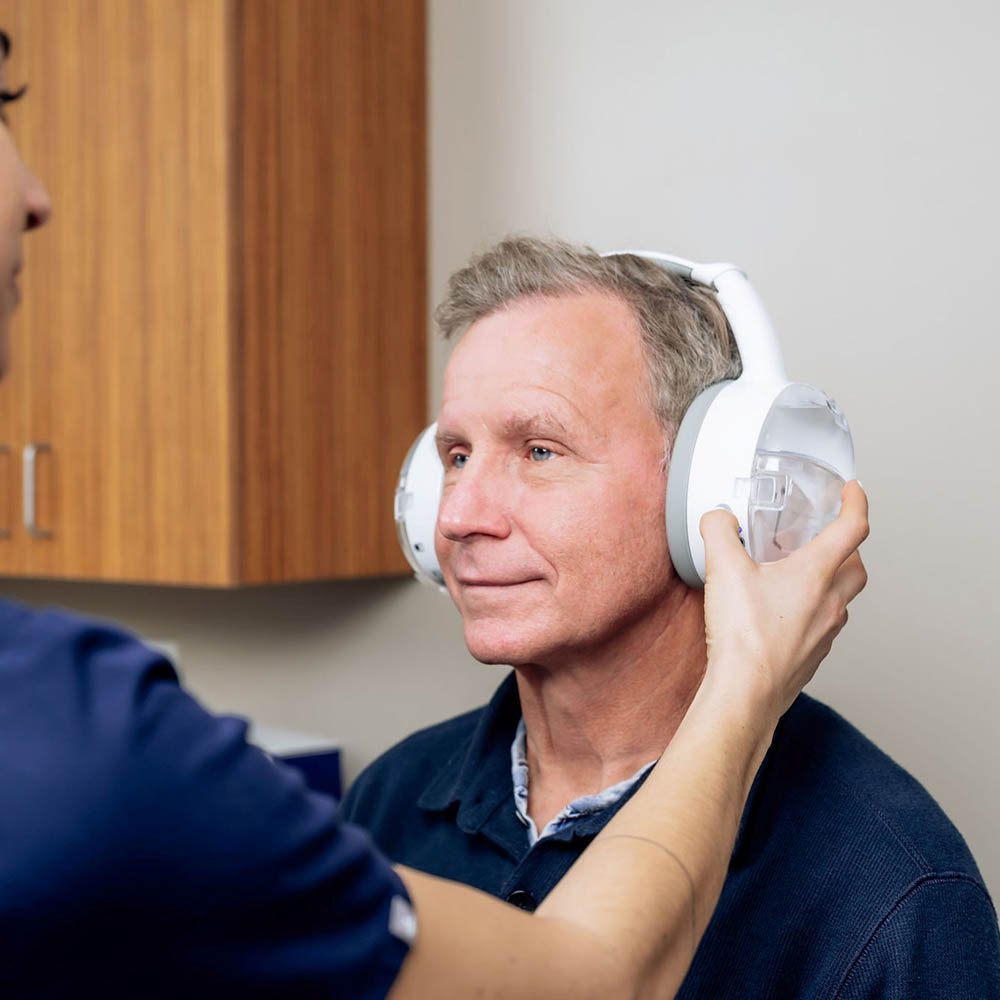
column 59, row 663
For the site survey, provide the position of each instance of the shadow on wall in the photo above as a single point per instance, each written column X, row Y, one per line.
column 307, row 610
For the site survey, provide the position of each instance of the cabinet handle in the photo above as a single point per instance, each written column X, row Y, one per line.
column 31, row 451
column 4, row 532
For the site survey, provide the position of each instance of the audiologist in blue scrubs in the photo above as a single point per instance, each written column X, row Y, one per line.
column 147, row 850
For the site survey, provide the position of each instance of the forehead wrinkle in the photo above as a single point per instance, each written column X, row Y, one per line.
column 520, row 419
column 569, row 402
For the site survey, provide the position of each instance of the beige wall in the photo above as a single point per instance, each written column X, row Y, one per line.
column 847, row 156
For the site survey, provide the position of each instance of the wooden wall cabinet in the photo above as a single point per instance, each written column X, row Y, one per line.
column 222, row 339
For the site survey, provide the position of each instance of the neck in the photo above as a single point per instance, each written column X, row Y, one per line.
column 595, row 719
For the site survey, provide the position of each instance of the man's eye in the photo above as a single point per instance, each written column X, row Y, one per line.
column 540, row 454
column 458, row 460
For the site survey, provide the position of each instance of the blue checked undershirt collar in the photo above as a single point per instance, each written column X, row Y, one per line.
column 584, row 806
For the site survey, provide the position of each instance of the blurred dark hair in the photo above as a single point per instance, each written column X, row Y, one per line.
column 7, row 96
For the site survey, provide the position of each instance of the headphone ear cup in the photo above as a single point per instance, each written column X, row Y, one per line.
column 418, row 497
column 679, row 483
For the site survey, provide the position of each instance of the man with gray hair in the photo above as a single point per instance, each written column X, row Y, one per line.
column 569, row 376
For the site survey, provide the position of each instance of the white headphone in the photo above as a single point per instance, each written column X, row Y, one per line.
column 776, row 453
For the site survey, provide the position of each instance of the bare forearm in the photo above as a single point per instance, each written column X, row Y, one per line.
column 471, row 945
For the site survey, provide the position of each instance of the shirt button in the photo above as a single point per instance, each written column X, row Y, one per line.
column 523, row 900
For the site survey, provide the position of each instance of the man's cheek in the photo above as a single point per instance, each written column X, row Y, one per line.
column 594, row 527
column 444, row 550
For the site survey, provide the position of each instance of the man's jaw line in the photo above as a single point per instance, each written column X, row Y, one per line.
column 599, row 722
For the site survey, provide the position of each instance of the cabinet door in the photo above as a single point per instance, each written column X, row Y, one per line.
column 333, row 323
column 122, row 348
column 11, row 535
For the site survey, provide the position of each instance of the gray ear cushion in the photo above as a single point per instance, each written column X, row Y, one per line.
column 678, row 477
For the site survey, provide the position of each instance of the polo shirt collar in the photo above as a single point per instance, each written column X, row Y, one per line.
column 477, row 777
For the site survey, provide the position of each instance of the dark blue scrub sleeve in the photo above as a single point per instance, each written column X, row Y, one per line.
column 147, row 850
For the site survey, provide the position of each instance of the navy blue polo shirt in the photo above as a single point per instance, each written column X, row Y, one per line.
column 847, row 880
column 147, row 850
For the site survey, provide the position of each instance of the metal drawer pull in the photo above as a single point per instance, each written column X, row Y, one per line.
column 31, row 451
column 4, row 532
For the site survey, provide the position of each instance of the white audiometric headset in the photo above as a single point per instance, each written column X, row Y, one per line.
column 777, row 453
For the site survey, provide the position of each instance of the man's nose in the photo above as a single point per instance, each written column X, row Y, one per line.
column 473, row 504
column 37, row 203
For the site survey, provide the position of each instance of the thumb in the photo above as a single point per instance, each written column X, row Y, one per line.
column 721, row 533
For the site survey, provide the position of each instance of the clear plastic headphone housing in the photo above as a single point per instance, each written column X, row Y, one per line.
column 804, row 457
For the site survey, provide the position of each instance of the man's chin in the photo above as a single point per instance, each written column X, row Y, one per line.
column 497, row 642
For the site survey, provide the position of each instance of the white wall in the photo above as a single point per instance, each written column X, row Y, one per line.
column 846, row 156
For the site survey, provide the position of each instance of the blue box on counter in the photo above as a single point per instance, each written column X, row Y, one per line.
column 316, row 757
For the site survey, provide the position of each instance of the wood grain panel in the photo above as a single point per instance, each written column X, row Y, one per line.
column 126, row 317
column 332, row 196
column 223, row 337
column 11, row 535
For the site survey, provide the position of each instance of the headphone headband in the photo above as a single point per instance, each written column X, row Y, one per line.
column 700, row 274
column 755, row 335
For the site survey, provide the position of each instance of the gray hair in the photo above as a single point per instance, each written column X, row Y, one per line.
column 685, row 336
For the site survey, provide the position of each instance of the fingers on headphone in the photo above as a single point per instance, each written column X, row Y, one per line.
column 851, row 578
column 842, row 537
column 720, row 519
column 720, row 531
column 855, row 499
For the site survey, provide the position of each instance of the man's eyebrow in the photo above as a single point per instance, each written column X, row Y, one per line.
column 447, row 439
column 543, row 423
